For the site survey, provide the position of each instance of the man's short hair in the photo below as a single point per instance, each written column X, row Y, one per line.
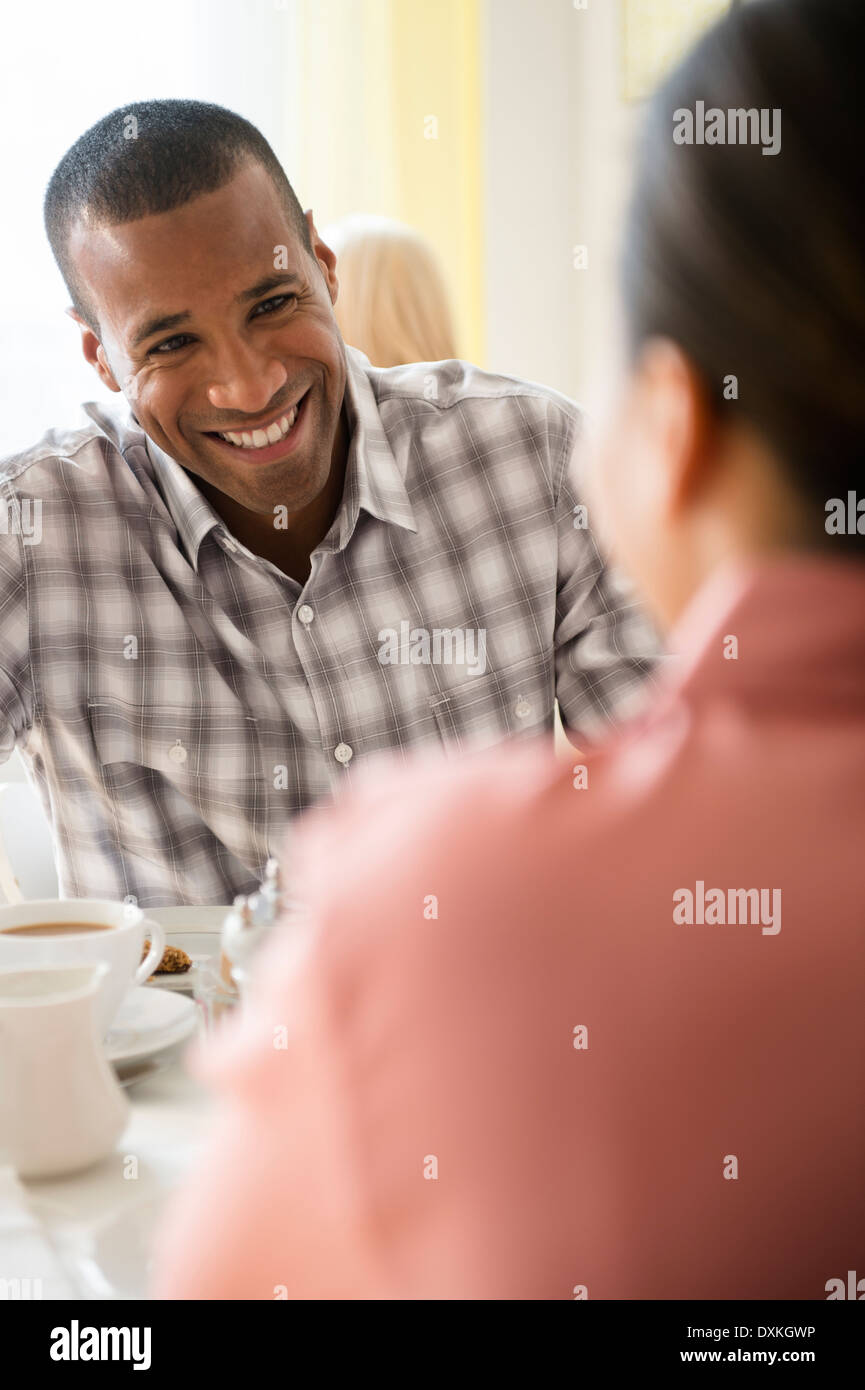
column 147, row 158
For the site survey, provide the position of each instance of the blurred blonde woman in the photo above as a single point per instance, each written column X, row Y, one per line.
column 393, row 302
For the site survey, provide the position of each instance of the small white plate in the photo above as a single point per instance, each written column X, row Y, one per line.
column 181, row 980
column 149, row 1020
column 196, row 930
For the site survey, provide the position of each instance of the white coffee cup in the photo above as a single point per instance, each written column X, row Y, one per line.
column 119, row 945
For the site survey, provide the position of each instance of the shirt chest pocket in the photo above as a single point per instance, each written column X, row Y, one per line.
column 181, row 743
column 166, row 769
column 514, row 701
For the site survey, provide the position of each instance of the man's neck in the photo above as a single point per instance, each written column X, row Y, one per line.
column 288, row 548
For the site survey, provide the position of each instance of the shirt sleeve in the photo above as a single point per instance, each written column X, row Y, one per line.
column 311, row 1176
column 606, row 648
column 16, row 685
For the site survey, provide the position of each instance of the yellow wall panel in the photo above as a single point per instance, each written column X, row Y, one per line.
column 436, row 76
column 389, row 122
column 657, row 33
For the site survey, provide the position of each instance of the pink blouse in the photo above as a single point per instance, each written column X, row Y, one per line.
column 558, row 1033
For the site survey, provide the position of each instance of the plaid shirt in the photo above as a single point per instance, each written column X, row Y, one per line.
column 177, row 699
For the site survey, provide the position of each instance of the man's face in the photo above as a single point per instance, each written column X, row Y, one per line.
column 205, row 336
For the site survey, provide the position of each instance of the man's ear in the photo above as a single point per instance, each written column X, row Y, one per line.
column 325, row 257
column 94, row 353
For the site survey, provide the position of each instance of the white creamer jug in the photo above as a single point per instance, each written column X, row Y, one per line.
column 61, row 1107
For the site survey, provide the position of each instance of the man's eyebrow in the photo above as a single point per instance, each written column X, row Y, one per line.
column 270, row 282
column 163, row 322
column 159, row 325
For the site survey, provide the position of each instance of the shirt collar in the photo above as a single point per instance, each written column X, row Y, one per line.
column 374, row 477
column 191, row 512
column 374, row 480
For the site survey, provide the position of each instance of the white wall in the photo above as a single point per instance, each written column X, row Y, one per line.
column 558, row 138
column 65, row 66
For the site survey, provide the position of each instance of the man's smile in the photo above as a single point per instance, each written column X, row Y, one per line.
column 274, row 437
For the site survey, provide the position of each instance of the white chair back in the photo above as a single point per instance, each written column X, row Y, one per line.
column 26, row 849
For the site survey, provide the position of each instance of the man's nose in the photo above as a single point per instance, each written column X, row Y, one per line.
column 245, row 380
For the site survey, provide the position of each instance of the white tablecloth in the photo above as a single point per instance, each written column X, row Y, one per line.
column 97, row 1226
column 89, row 1235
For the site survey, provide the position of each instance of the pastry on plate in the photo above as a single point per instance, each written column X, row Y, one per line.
column 174, row 961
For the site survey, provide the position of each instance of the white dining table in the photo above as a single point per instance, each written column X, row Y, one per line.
column 89, row 1234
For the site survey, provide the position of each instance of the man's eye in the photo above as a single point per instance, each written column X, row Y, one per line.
column 270, row 306
column 172, row 344
column 278, row 302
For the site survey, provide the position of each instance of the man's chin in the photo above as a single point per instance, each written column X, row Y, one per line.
column 290, row 484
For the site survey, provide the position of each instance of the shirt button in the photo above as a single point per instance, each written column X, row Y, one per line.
column 306, row 616
column 522, row 709
column 343, row 753
column 177, row 753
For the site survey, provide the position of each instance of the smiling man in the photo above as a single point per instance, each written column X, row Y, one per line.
column 201, row 645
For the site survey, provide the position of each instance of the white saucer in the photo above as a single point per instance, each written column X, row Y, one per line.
column 148, row 1021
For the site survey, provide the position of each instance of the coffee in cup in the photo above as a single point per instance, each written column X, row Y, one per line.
column 57, row 928
column 82, row 931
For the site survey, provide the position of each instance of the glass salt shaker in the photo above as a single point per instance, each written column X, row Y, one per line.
column 250, row 922
column 235, row 941
column 272, row 894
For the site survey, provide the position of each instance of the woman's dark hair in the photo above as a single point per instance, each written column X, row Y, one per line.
column 755, row 263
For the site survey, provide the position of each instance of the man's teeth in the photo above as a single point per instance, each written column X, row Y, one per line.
column 259, row 439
